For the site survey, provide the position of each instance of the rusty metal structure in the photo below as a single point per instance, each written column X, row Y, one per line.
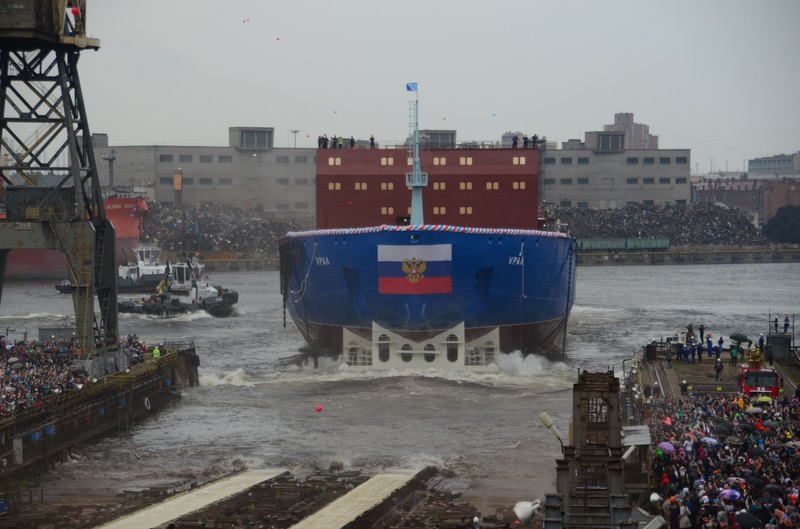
column 590, row 483
column 50, row 187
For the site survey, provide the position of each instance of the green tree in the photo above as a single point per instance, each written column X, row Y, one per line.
column 784, row 226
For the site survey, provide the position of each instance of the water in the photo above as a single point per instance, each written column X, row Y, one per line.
column 250, row 411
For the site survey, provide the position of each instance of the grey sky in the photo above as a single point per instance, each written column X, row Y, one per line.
column 719, row 77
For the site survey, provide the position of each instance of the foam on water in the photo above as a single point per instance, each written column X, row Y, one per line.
column 237, row 377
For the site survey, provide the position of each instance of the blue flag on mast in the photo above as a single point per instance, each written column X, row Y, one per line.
column 411, row 87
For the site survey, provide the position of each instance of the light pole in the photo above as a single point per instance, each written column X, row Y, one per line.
column 294, row 132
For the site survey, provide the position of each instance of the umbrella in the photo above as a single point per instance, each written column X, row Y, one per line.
column 667, row 447
column 747, row 427
column 16, row 365
column 736, row 480
column 730, row 495
column 765, row 399
column 13, row 360
column 749, row 521
column 755, row 482
column 724, row 428
column 709, row 441
column 753, row 410
column 774, row 488
column 733, row 440
column 771, row 424
column 756, row 452
column 739, row 337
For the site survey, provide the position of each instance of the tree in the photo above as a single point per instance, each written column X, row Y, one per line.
column 784, row 226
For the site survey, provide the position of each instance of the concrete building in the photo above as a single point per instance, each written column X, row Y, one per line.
column 637, row 135
column 778, row 165
column 760, row 198
column 601, row 173
column 249, row 172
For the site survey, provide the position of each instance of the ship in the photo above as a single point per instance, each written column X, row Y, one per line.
column 125, row 210
column 484, row 280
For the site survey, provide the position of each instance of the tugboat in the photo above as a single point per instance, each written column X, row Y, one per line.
column 181, row 291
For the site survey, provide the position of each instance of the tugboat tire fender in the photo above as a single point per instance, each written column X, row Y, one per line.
column 146, row 403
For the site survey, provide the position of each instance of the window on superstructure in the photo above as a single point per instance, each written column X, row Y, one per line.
column 406, row 357
column 185, row 158
column 206, row 158
column 518, row 160
column 465, row 186
column 383, row 348
column 465, row 210
column 225, row 159
column 387, row 161
column 409, row 161
column 164, row 157
column 465, row 160
column 431, row 355
column 439, row 210
column 452, row 348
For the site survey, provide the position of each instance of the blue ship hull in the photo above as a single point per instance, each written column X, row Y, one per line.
column 508, row 290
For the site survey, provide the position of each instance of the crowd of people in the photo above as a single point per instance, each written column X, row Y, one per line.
column 702, row 224
column 726, row 461
column 32, row 371
column 215, row 227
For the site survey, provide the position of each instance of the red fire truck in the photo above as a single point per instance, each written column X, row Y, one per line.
column 755, row 379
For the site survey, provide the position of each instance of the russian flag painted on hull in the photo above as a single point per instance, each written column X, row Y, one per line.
column 414, row 269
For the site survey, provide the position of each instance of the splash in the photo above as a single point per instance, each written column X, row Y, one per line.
column 515, row 364
column 238, row 377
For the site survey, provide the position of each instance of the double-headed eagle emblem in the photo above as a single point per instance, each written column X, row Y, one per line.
column 414, row 269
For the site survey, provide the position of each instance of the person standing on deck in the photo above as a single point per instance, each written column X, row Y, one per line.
column 371, row 141
column 761, row 343
column 717, row 369
column 785, row 323
column 710, row 346
column 702, row 330
column 776, row 324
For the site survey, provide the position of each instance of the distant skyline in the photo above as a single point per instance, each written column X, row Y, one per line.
column 718, row 77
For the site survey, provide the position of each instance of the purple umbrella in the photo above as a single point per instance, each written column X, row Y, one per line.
column 666, row 447
column 730, row 495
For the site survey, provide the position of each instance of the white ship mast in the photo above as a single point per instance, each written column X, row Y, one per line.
column 416, row 179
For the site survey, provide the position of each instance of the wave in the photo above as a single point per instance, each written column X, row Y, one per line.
column 188, row 316
column 35, row 316
column 237, row 377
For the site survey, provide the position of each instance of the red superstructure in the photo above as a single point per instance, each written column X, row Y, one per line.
column 489, row 188
column 125, row 213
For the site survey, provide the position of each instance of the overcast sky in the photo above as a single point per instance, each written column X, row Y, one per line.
column 719, row 77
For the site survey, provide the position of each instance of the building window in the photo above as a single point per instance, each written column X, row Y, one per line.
column 566, row 181
column 549, row 161
column 633, row 161
column 583, row 161
column 583, row 181
column 185, row 158
column 254, row 139
column 166, row 180
column 282, row 159
column 549, row 181
column 301, row 205
column 188, row 181
column 681, row 160
column 565, row 204
column 648, row 180
column 663, row 180
column 226, row 181
column 632, row 181
column 206, row 158
column 680, row 180
column 649, row 161
column 225, row 159
column 164, row 157
column 465, row 210
column 301, row 159
column 598, row 410
column 566, row 161
column 282, row 181
column 206, row 181
column 583, row 205
column 301, row 181
column 664, row 160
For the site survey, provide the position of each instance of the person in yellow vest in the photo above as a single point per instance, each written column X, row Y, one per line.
column 156, row 353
